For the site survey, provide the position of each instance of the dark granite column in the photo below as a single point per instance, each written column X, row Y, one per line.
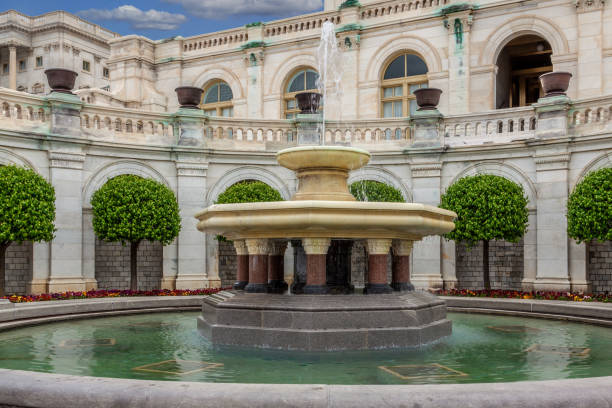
column 316, row 257
column 242, row 263
column 378, row 251
column 276, row 267
column 258, row 265
column 401, row 266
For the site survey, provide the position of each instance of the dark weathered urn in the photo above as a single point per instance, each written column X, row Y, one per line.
column 189, row 96
column 308, row 102
column 555, row 83
column 427, row 98
column 61, row 80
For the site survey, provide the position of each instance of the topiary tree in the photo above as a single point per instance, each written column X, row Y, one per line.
column 247, row 191
column 488, row 207
column 370, row 190
column 27, row 210
column 130, row 209
column 589, row 208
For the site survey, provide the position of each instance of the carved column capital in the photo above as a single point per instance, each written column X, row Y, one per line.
column 402, row 247
column 316, row 246
column 378, row 246
column 240, row 247
column 258, row 246
column 278, row 247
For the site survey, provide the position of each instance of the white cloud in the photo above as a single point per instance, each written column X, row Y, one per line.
column 219, row 9
column 138, row 19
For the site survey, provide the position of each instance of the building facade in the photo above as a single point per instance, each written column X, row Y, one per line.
column 486, row 58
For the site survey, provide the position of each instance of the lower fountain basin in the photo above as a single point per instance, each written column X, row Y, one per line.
column 327, row 219
column 325, row 322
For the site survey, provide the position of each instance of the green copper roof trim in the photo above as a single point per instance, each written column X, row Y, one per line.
column 349, row 3
column 253, row 44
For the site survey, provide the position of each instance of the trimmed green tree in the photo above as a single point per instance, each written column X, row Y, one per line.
column 129, row 209
column 589, row 208
column 370, row 190
column 247, row 191
column 27, row 210
column 488, row 207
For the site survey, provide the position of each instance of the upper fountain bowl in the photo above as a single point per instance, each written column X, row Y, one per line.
column 331, row 157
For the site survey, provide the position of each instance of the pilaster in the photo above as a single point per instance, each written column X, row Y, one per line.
column 192, row 273
column 349, row 41
column 590, row 26
column 458, row 25
column 254, row 61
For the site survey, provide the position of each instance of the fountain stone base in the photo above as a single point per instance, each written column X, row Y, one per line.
column 324, row 322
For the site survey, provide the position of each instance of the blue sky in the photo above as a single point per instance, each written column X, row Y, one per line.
column 158, row 19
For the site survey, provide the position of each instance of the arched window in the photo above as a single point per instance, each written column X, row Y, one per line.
column 217, row 100
column 402, row 76
column 303, row 80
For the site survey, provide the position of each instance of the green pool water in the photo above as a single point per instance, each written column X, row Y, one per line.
column 168, row 346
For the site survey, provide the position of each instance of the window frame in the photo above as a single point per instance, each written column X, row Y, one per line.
column 405, row 82
column 41, row 59
column 218, row 106
column 88, row 69
column 289, row 96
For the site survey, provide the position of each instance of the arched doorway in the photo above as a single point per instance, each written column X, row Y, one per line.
column 519, row 65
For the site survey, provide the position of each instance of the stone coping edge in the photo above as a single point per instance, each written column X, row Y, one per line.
column 586, row 312
column 31, row 389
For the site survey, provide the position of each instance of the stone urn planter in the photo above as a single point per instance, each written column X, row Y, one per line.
column 189, row 96
column 555, row 83
column 61, row 80
column 427, row 98
column 308, row 102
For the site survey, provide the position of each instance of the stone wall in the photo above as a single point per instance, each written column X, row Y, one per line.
column 505, row 265
column 227, row 263
column 600, row 266
column 18, row 268
column 113, row 265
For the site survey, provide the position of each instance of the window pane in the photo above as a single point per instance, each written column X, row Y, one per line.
column 413, row 107
column 398, row 134
column 395, row 69
column 388, row 134
column 225, row 93
column 388, row 92
column 212, row 95
column 397, row 109
column 227, row 112
column 398, row 90
column 291, row 104
column 311, row 79
column 297, row 84
column 289, row 116
column 415, row 65
column 211, row 112
column 388, row 110
column 230, row 133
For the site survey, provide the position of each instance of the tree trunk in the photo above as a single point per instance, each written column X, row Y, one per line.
column 3, row 248
column 485, row 265
column 134, row 266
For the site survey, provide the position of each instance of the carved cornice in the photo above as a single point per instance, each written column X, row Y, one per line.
column 426, row 170
column 583, row 6
column 379, row 246
column 191, row 169
column 66, row 160
column 316, row 246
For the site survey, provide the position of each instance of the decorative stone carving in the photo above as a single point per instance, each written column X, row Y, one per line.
column 254, row 58
column 402, row 247
column 278, row 247
column 240, row 247
column 191, row 170
column 258, row 246
column 66, row 160
column 426, row 170
column 378, row 246
column 583, row 6
column 316, row 246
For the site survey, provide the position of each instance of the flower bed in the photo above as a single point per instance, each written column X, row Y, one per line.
column 514, row 294
column 95, row 294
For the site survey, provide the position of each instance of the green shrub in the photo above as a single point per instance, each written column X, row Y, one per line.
column 130, row 209
column 589, row 208
column 369, row 190
column 27, row 210
column 488, row 207
column 248, row 191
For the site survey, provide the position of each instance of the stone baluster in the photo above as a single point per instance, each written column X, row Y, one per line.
column 276, row 267
column 258, row 265
column 316, row 272
column 401, row 266
column 242, row 261
column 378, row 250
